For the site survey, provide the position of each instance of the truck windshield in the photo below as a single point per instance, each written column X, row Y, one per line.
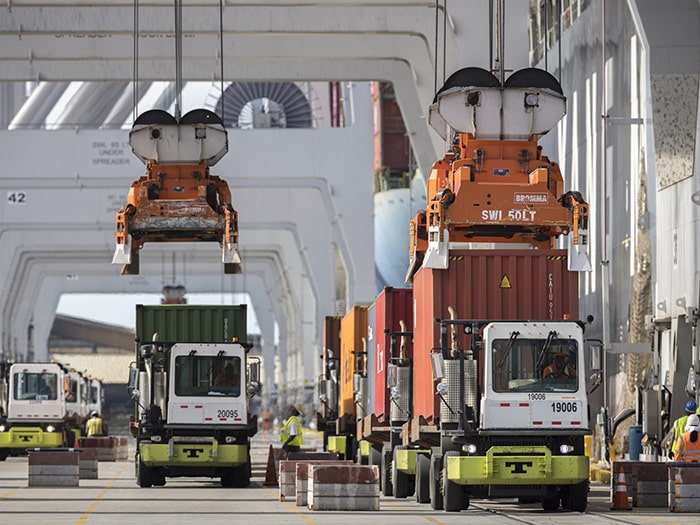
column 207, row 375
column 35, row 385
column 522, row 366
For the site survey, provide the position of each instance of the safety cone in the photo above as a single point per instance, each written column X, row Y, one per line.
column 271, row 472
column 620, row 499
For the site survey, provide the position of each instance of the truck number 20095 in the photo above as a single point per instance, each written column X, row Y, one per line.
column 563, row 406
column 227, row 413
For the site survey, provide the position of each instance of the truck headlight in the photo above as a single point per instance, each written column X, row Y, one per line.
column 566, row 449
column 156, row 439
column 230, row 439
column 469, row 448
column 442, row 387
column 395, row 393
column 2, row 428
column 50, row 428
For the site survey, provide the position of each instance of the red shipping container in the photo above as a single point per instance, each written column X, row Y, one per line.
column 391, row 306
column 486, row 284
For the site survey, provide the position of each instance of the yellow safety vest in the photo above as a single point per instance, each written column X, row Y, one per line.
column 678, row 429
column 94, row 426
column 686, row 449
column 284, row 434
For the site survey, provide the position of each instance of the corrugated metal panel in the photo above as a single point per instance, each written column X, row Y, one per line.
column 353, row 328
column 486, row 284
column 391, row 306
column 191, row 323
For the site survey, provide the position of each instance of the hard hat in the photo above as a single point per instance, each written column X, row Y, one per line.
column 691, row 406
column 93, row 413
column 299, row 408
column 693, row 421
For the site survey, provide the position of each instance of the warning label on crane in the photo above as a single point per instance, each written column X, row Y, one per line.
column 505, row 282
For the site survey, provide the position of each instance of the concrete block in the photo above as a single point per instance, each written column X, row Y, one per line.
column 288, row 474
column 88, row 463
column 343, row 487
column 302, row 487
column 53, row 468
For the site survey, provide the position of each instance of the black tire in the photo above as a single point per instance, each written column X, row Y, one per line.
column 551, row 503
column 436, row 502
column 144, row 478
column 4, row 453
column 453, row 494
column 236, row 477
column 158, row 478
column 575, row 497
column 399, row 479
column 385, row 473
column 423, row 478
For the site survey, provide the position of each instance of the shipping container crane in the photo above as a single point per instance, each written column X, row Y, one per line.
column 178, row 200
column 494, row 185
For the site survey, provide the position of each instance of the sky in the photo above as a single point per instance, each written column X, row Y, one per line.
column 119, row 309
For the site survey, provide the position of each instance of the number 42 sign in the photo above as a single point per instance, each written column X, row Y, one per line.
column 16, row 197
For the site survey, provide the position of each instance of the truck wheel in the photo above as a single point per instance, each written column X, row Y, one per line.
column 423, row 478
column 399, row 479
column 144, row 478
column 236, row 477
column 452, row 493
column 550, row 503
column 387, row 487
column 575, row 497
column 436, row 502
column 4, row 453
column 158, row 477
column 241, row 476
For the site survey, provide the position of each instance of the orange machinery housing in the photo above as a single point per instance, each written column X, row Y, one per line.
column 494, row 185
column 177, row 200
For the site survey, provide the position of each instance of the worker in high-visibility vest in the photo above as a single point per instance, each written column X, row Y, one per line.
column 94, row 425
column 291, row 430
column 680, row 423
column 688, row 445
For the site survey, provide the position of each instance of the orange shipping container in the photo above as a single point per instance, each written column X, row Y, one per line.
column 353, row 329
column 486, row 284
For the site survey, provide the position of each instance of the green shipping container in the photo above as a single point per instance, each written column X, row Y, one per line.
column 184, row 323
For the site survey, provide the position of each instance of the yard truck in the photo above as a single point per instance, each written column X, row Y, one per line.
column 193, row 381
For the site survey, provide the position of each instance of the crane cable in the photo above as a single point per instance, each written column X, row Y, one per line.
column 178, row 59
column 221, row 55
column 136, row 58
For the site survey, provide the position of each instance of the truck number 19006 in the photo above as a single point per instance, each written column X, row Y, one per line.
column 563, row 406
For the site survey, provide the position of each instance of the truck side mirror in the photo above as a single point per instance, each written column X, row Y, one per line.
column 133, row 382
column 595, row 364
column 254, row 371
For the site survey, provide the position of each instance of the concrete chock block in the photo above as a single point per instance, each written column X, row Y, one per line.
column 106, row 447
column 343, row 487
column 88, row 463
column 54, row 469
column 302, row 477
column 288, row 474
column 683, row 487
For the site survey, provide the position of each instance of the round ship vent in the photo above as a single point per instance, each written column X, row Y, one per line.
column 260, row 105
